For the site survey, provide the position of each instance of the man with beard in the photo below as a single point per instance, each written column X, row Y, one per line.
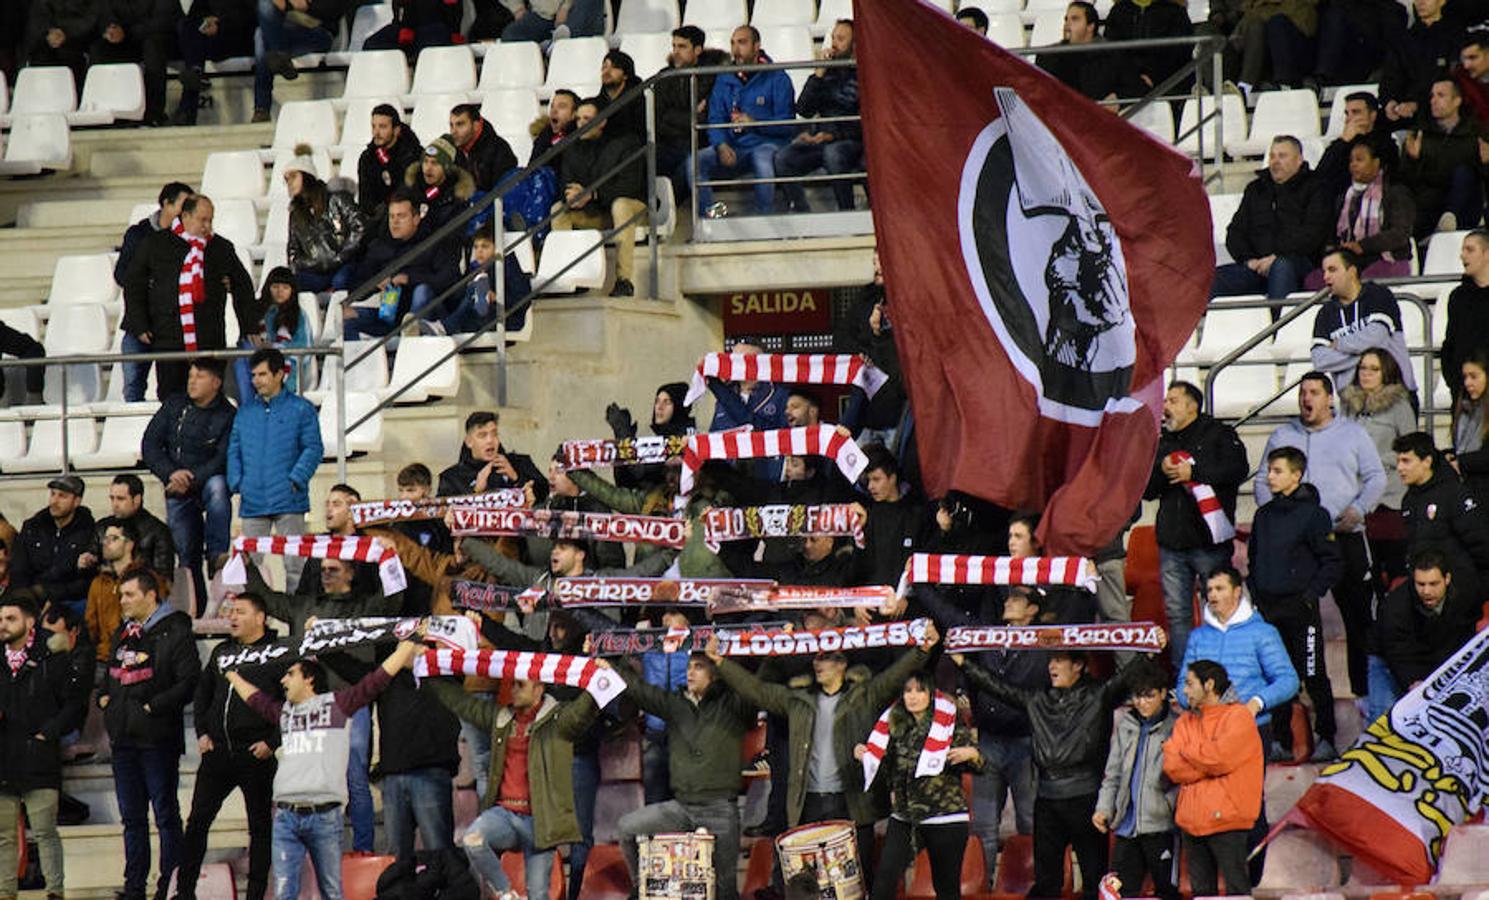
column 482, row 152
column 560, row 122
column 393, row 148
column 745, row 98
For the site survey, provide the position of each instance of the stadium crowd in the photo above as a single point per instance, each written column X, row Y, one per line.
column 1354, row 501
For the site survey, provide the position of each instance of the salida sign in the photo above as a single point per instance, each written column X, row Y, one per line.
column 788, row 311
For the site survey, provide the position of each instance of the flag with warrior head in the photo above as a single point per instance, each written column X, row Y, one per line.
column 1044, row 261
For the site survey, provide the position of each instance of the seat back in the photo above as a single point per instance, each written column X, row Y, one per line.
column 444, row 70
column 310, row 122
column 376, row 73
column 115, row 88
column 707, row 14
column 41, row 139
column 513, row 64
column 234, row 174
column 43, row 90
column 575, row 61
column 649, row 49
column 647, row 16
column 86, row 278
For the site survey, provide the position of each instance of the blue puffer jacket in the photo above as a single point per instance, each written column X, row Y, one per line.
column 765, row 97
column 272, row 454
column 1252, row 653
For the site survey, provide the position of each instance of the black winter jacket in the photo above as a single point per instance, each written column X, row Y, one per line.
column 326, row 242
column 219, row 713
column 152, row 293
column 1292, row 549
column 1444, row 515
column 891, row 533
column 1416, row 55
column 439, row 267
column 587, row 161
column 1219, row 461
column 1021, row 668
column 1071, row 728
column 149, row 681
column 47, row 557
column 41, row 698
column 1442, row 152
column 676, row 113
column 182, row 435
column 156, row 548
column 1288, row 219
column 380, row 173
column 1160, row 19
column 833, row 93
column 1414, row 641
column 404, row 708
column 460, row 479
column 1468, row 330
column 631, row 119
column 78, row 19
column 489, row 158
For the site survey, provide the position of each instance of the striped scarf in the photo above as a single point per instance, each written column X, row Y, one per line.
column 807, row 440
column 785, row 368
column 549, row 668
column 353, row 548
column 937, row 741
column 193, row 284
column 1368, row 215
column 956, row 568
column 1221, row 528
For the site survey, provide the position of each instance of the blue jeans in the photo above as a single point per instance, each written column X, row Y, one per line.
column 136, row 375
column 295, row 834
column 1180, row 569
column 320, row 282
column 277, row 35
column 1384, row 691
column 146, row 778
column 1008, row 769
column 1285, row 276
column 498, row 829
column 478, row 740
column 421, row 799
column 586, row 774
column 211, row 505
column 369, row 323
column 759, row 162
column 835, row 157
column 586, row 19
column 358, row 791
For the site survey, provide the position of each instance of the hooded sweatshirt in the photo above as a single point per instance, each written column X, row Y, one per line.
column 1292, row 548
column 1343, row 465
column 1372, row 320
column 1252, row 653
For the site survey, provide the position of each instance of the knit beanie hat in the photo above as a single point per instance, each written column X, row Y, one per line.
column 442, row 149
column 303, row 161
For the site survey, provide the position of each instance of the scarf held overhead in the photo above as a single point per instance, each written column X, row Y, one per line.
column 598, row 591
column 1144, row 637
column 754, row 598
column 807, row 440
column 932, row 755
column 637, row 451
column 374, row 512
column 957, row 568
column 569, row 525
column 764, row 640
column 353, row 548
column 549, row 668
column 335, row 635
column 780, row 520
column 785, row 368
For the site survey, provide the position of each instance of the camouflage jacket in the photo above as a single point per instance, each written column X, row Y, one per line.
column 917, row 799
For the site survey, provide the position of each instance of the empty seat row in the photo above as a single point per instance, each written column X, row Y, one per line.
column 112, row 92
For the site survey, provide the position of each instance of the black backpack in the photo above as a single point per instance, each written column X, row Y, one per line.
column 430, row 875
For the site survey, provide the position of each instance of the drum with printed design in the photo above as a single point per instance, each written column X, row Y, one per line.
column 677, row 866
column 829, row 850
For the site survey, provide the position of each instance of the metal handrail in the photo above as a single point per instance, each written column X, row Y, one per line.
column 87, row 359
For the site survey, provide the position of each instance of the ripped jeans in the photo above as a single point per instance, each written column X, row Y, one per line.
column 316, row 833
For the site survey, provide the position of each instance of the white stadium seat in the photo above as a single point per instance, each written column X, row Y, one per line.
column 1222, row 209
column 86, row 278
column 1049, row 27
column 1295, row 339
column 277, row 225
column 236, row 220
column 573, row 62
column 356, row 126
column 649, row 50
column 112, row 92
column 1238, row 388
column 431, row 116
column 828, row 13
column 708, row 14
column 1232, row 120
column 415, row 354
column 1442, row 254
column 645, row 16
column 517, row 64
column 376, row 73
column 368, row 438
column 563, row 248
column 118, row 444
column 369, row 20
column 1225, row 330
column 1336, row 108
column 12, row 442
column 445, row 70
column 789, row 43
column 234, row 174
column 310, row 122
column 1006, row 30
column 36, row 143
column 1277, row 112
column 1157, row 119
column 44, row 450
column 44, row 90
column 512, row 109
column 782, row 12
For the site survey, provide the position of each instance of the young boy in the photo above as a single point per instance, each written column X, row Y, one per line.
column 478, row 305
column 416, row 482
column 1293, row 561
column 1134, row 801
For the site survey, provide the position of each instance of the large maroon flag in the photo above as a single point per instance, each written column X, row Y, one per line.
column 1044, row 262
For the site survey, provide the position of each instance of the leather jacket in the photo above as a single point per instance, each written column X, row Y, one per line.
column 329, row 241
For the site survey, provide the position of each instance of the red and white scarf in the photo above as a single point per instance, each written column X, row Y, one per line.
column 957, row 568
column 193, row 284
column 17, row 658
column 780, row 520
column 353, row 548
column 1221, row 527
column 550, row 668
column 785, row 368
column 662, row 531
column 807, row 440
column 932, row 755
column 403, row 510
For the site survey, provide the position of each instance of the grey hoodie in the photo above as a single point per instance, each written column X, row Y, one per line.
column 1343, row 464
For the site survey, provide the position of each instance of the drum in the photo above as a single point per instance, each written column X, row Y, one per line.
column 677, row 866
column 829, row 850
